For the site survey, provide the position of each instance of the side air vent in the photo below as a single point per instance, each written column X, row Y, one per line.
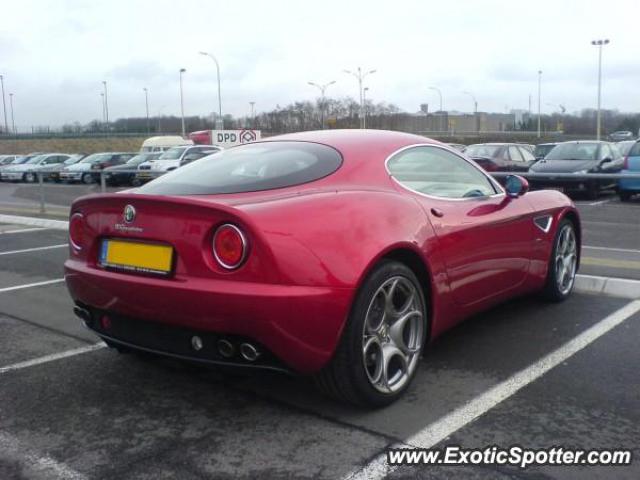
column 544, row 223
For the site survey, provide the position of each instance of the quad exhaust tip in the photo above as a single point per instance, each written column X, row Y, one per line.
column 226, row 348
column 249, row 352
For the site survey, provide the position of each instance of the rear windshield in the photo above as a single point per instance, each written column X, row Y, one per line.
column 250, row 168
column 487, row 151
column 635, row 150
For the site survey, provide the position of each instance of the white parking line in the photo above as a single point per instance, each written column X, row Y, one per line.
column 26, row 250
column 601, row 202
column 22, row 230
column 51, row 358
column 29, row 285
column 611, row 249
column 33, row 464
column 438, row 431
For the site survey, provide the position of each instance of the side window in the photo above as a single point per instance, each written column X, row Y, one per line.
column 514, row 153
column 527, row 155
column 440, row 173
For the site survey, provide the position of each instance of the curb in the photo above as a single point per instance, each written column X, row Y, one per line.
column 611, row 286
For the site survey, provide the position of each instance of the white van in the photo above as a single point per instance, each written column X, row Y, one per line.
column 160, row 144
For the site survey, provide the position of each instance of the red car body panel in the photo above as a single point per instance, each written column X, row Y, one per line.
column 311, row 246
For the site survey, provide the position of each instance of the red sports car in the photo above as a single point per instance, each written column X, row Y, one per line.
column 338, row 254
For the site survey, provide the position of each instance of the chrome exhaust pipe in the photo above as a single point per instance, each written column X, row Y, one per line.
column 226, row 348
column 249, row 352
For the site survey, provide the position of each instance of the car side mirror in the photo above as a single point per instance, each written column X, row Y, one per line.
column 516, row 186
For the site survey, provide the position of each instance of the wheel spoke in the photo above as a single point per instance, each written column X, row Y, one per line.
column 390, row 352
column 373, row 356
column 396, row 332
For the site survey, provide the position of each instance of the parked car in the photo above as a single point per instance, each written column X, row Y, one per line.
column 580, row 158
column 116, row 176
column 337, row 254
column 506, row 157
column 7, row 159
column 163, row 143
column 631, row 164
column 621, row 135
column 172, row 159
column 458, row 146
column 28, row 171
column 19, row 159
column 52, row 173
column 625, row 146
column 88, row 169
column 542, row 149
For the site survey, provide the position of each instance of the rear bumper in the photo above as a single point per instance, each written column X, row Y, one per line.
column 299, row 325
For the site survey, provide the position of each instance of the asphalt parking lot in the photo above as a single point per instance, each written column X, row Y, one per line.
column 69, row 409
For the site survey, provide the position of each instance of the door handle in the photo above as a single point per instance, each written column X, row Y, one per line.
column 437, row 212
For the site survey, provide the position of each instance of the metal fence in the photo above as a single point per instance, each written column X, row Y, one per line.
column 103, row 175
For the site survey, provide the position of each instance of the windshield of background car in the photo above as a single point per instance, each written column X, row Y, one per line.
column 173, row 153
column 574, row 151
column 20, row 160
column 635, row 150
column 250, row 168
column 36, row 159
column 143, row 157
column 96, row 157
column 488, row 151
column 72, row 160
column 543, row 150
column 439, row 173
column 625, row 147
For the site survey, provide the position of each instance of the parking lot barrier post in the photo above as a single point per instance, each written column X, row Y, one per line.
column 41, row 183
column 103, row 182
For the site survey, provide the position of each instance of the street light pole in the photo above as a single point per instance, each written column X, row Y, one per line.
column 439, row 94
column 599, row 44
column 102, row 104
column 220, row 122
column 146, row 102
column 360, row 76
column 364, row 98
column 539, row 99
column 253, row 118
column 13, row 120
column 106, row 103
column 182, row 70
column 322, row 89
column 475, row 108
column 4, row 106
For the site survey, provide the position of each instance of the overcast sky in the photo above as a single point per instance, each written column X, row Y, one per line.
column 54, row 55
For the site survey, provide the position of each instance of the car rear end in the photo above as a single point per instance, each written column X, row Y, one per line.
column 193, row 273
column 631, row 166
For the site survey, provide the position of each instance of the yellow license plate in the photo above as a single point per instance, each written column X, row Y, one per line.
column 136, row 256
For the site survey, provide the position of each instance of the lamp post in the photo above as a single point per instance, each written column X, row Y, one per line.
column 539, row 100
column 106, row 104
column 360, row 76
column 182, row 70
column 439, row 94
column 220, row 121
column 599, row 44
column 102, row 105
column 13, row 120
column 475, row 109
column 4, row 106
column 253, row 117
column 146, row 103
column 322, row 89
column 364, row 99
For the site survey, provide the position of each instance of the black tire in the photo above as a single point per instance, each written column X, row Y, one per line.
column 593, row 191
column 625, row 196
column 552, row 290
column 345, row 377
column 87, row 178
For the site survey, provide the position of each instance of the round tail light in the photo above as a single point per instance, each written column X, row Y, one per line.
column 229, row 246
column 76, row 231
